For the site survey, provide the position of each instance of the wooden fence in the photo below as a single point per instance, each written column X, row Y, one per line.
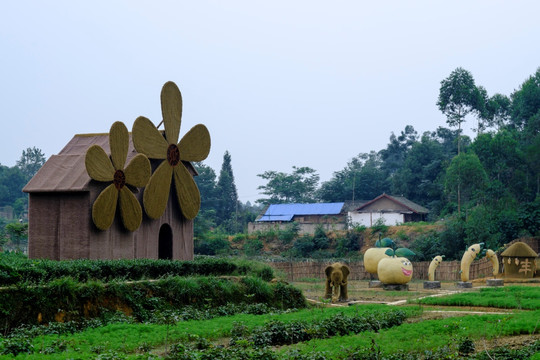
column 447, row 270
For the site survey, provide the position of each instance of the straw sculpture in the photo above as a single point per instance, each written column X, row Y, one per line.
column 194, row 146
column 102, row 168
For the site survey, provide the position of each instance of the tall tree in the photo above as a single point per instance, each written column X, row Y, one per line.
column 206, row 182
column 227, row 204
column 526, row 118
column 296, row 187
column 32, row 159
column 458, row 97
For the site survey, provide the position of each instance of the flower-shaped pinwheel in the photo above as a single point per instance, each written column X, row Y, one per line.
column 194, row 146
column 102, row 168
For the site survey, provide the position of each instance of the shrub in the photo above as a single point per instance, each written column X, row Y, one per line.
column 303, row 246
column 277, row 333
column 253, row 247
column 379, row 227
column 320, row 240
column 352, row 242
column 212, row 246
column 16, row 346
column 290, row 233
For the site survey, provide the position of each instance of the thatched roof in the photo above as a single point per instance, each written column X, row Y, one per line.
column 66, row 172
column 519, row 249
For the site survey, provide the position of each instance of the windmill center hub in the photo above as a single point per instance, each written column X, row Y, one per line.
column 119, row 179
column 173, row 155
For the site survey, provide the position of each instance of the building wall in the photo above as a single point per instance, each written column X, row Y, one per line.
column 369, row 219
column 304, row 228
column 61, row 228
column 58, row 225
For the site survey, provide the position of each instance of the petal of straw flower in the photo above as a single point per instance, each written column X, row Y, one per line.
column 102, row 168
column 194, row 146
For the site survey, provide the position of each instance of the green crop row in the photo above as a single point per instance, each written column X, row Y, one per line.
column 278, row 332
column 65, row 299
column 508, row 297
column 16, row 268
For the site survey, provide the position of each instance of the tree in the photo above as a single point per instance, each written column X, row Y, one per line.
column 419, row 178
column 227, row 195
column 497, row 111
column 362, row 178
column 396, row 151
column 458, row 97
column 526, row 104
column 467, row 174
column 296, row 187
column 17, row 232
column 525, row 117
column 499, row 154
column 12, row 180
column 206, row 182
column 32, row 159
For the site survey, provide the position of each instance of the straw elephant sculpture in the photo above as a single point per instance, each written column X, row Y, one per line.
column 336, row 282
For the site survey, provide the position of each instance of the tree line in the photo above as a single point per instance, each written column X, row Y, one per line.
column 487, row 188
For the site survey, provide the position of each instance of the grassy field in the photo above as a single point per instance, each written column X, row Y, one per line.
column 208, row 339
column 508, row 297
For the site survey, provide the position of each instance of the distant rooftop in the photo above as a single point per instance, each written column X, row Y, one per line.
column 285, row 212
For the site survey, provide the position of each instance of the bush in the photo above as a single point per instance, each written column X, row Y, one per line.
column 352, row 242
column 303, row 246
column 290, row 233
column 253, row 247
column 320, row 240
column 427, row 246
column 16, row 346
column 212, row 246
column 379, row 227
column 277, row 333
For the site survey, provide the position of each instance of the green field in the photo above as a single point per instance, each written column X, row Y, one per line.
column 508, row 297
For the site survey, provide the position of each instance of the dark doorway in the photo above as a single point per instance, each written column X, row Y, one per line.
column 165, row 242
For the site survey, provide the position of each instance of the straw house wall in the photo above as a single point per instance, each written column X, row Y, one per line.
column 60, row 227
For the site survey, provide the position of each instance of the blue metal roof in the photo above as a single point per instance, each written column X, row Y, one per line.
column 285, row 212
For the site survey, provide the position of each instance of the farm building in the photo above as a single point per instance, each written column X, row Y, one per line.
column 332, row 216
column 60, row 226
column 392, row 210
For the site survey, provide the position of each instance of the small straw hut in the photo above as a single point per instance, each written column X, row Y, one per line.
column 519, row 261
column 74, row 199
column 60, row 214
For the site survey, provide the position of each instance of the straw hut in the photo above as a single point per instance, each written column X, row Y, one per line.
column 87, row 201
column 519, row 261
column 60, row 222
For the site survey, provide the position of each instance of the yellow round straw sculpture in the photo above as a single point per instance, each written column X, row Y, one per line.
column 102, row 168
column 194, row 146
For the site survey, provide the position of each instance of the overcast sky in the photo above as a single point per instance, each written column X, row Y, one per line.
column 277, row 83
